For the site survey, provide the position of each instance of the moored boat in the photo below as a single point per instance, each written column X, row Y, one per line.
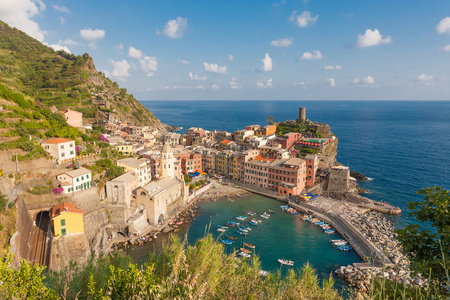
column 329, row 231
column 251, row 213
column 264, row 216
column 246, row 250
column 271, row 211
column 246, row 255
column 233, row 238
column 253, row 223
column 263, row 273
column 241, row 232
column 227, row 242
column 246, row 227
column 286, row 262
column 249, row 245
column 221, row 230
column 241, row 218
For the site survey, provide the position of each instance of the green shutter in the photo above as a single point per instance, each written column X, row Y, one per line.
column 63, row 231
column 63, row 222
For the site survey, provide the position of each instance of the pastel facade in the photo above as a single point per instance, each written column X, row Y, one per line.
column 66, row 219
column 312, row 163
column 120, row 189
column 75, row 180
column 288, row 177
column 60, row 149
column 126, row 149
column 257, row 171
column 139, row 166
column 287, row 140
column 73, row 118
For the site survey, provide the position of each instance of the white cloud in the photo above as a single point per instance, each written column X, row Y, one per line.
column 180, row 87
column 92, row 35
column 425, row 78
column 282, row 42
column 61, row 9
column 278, row 4
column 184, row 62
column 149, row 65
column 304, row 19
column 214, row 68
column 447, row 48
column 58, row 47
column 19, row 14
column 336, row 67
column 264, row 83
column 368, row 80
column 443, row 26
column 107, row 74
column 311, row 56
column 120, row 68
column 119, row 47
column 233, row 83
column 215, row 86
column 356, row 80
column 196, row 77
column 267, row 63
column 175, row 28
column 70, row 42
column 134, row 53
column 62, row 20
column 331, row 81
column 372, row 38
column 230, row 57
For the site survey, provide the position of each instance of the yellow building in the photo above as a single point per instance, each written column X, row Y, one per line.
column 125, row 149
column 66, row 219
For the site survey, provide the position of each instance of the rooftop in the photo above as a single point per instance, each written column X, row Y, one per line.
column 132, row 162
column 65, row 207
column 57, row 141
column 157, row 186
column 126, row 178
column 77, row 172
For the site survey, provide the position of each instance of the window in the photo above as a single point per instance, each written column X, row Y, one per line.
column 82, row 177
column 63, row 222
column 87, row 176
column 62, row 146
column 63, row 154
column 78, row 179
column 71, row 152
column 63, row 231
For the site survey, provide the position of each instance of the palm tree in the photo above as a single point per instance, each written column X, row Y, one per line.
column 270, row 120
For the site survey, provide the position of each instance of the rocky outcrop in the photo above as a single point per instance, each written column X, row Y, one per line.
column 358, row 176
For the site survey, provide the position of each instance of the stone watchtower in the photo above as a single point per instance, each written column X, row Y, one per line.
column 167, row 161
column 301, row 115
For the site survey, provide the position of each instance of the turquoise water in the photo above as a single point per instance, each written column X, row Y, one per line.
column 281, row 236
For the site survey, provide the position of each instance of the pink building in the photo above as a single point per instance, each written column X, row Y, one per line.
column 287, row 177
column 242, row 160
column 312, row 162
column 73, row 118
column 257, row 171
column 287, row 140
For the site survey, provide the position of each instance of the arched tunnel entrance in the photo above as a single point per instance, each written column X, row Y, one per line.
column 40, row 244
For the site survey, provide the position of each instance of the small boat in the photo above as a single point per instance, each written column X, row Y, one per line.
column 257, row 220
column 263, row 273
column 234, row 222
column 246, row 250
column 241, row 232
column 249, row 245
column 245, row 227
column 286, row 262
column 337, row 241
column 264, row 216
column 253, row 223
column 246, row 255
column 229, row 224
column 227, row 242
column 233, row 238
column 179, row 223
column 223, row 227
column 239, row 196
column 344, row 248
column 251, row 213
column 271, row 211
column 241, row 218
column 284, row 207
column 221, row 230
column 329, row 231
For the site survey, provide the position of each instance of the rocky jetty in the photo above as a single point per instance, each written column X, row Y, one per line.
column 358, row 176
column 380, row 231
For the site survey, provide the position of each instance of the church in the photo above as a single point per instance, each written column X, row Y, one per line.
column 160, row 198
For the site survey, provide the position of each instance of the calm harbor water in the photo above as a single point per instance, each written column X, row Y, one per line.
column 281, row 236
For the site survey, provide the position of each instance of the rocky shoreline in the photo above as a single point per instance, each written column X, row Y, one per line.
column 380, row 231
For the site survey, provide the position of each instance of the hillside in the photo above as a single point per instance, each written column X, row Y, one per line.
column 65, row 81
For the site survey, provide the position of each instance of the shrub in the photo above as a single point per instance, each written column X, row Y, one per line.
column 58, row 190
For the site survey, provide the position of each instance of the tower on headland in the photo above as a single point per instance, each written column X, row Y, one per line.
column 302, row 114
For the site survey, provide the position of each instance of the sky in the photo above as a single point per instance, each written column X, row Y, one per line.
column 253, row 50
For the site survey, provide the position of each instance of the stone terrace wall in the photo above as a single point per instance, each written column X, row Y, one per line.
column 19, row 241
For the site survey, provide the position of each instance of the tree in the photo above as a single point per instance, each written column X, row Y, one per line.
column 429, row 249
column 270, row 120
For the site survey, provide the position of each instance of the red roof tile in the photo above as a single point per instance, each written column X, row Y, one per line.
column 65, row 207
column 57, row 141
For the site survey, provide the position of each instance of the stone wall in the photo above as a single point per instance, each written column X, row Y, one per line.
column 69, row 248
column 19, row 241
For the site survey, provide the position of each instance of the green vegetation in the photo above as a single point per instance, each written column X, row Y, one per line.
column 286, row 127
column 106, row 165
column 429, row 252
column 178, row 272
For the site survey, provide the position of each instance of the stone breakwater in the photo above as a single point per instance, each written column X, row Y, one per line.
column 380, row 231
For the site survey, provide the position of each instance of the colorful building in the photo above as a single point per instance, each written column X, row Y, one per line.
column 288, row 177
column 60, row 149
column 312, row 163
column 257, row 171
column 75, row 180
column 141, row 167
column 66, row 219
column 73, row 118
column 120, row 189
column 126, row 149
column 287, row 140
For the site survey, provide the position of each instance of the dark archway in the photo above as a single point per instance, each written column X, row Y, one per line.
column 42, row 220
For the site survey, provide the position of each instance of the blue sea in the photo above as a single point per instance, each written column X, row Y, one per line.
column 402, row 146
